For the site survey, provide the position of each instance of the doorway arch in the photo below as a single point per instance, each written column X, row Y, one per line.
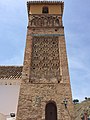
column 51, row 111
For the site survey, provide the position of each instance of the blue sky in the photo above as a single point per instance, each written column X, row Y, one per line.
column 76, row 19
column 77, row 27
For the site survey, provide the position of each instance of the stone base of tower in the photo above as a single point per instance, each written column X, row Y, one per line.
column 34, row 98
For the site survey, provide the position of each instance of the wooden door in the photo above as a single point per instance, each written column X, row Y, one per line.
column 51, row 111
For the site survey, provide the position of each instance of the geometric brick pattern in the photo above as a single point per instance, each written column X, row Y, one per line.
column 45, row 20
column 45, row 58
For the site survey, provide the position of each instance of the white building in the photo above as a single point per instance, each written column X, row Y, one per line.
column 2, row 116
column 10, row 118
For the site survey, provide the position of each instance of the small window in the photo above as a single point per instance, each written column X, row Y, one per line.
column 45, row 10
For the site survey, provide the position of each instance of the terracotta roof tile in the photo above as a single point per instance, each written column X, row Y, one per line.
column 10, row 72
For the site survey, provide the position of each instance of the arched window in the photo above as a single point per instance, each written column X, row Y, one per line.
column 45, row 9
column 51, row 111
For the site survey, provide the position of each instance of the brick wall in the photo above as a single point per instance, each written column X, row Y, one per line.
column 36, row 92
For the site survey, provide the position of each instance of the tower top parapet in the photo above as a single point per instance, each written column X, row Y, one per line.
column 45, row 2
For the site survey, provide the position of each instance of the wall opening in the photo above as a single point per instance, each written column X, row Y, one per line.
column 51, row 111
column 45, row 9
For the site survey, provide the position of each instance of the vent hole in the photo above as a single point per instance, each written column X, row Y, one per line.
column 58, row 81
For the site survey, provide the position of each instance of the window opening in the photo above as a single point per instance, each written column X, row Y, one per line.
column 45, row 10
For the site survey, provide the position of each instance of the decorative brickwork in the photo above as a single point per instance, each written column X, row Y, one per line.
column 45, row 20
column 45, row 59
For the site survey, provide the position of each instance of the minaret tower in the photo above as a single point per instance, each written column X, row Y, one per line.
column 45, row 91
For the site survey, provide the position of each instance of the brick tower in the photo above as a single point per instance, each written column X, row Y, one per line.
column 45, row 92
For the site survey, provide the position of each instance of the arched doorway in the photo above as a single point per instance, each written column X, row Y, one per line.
column 51, row 111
